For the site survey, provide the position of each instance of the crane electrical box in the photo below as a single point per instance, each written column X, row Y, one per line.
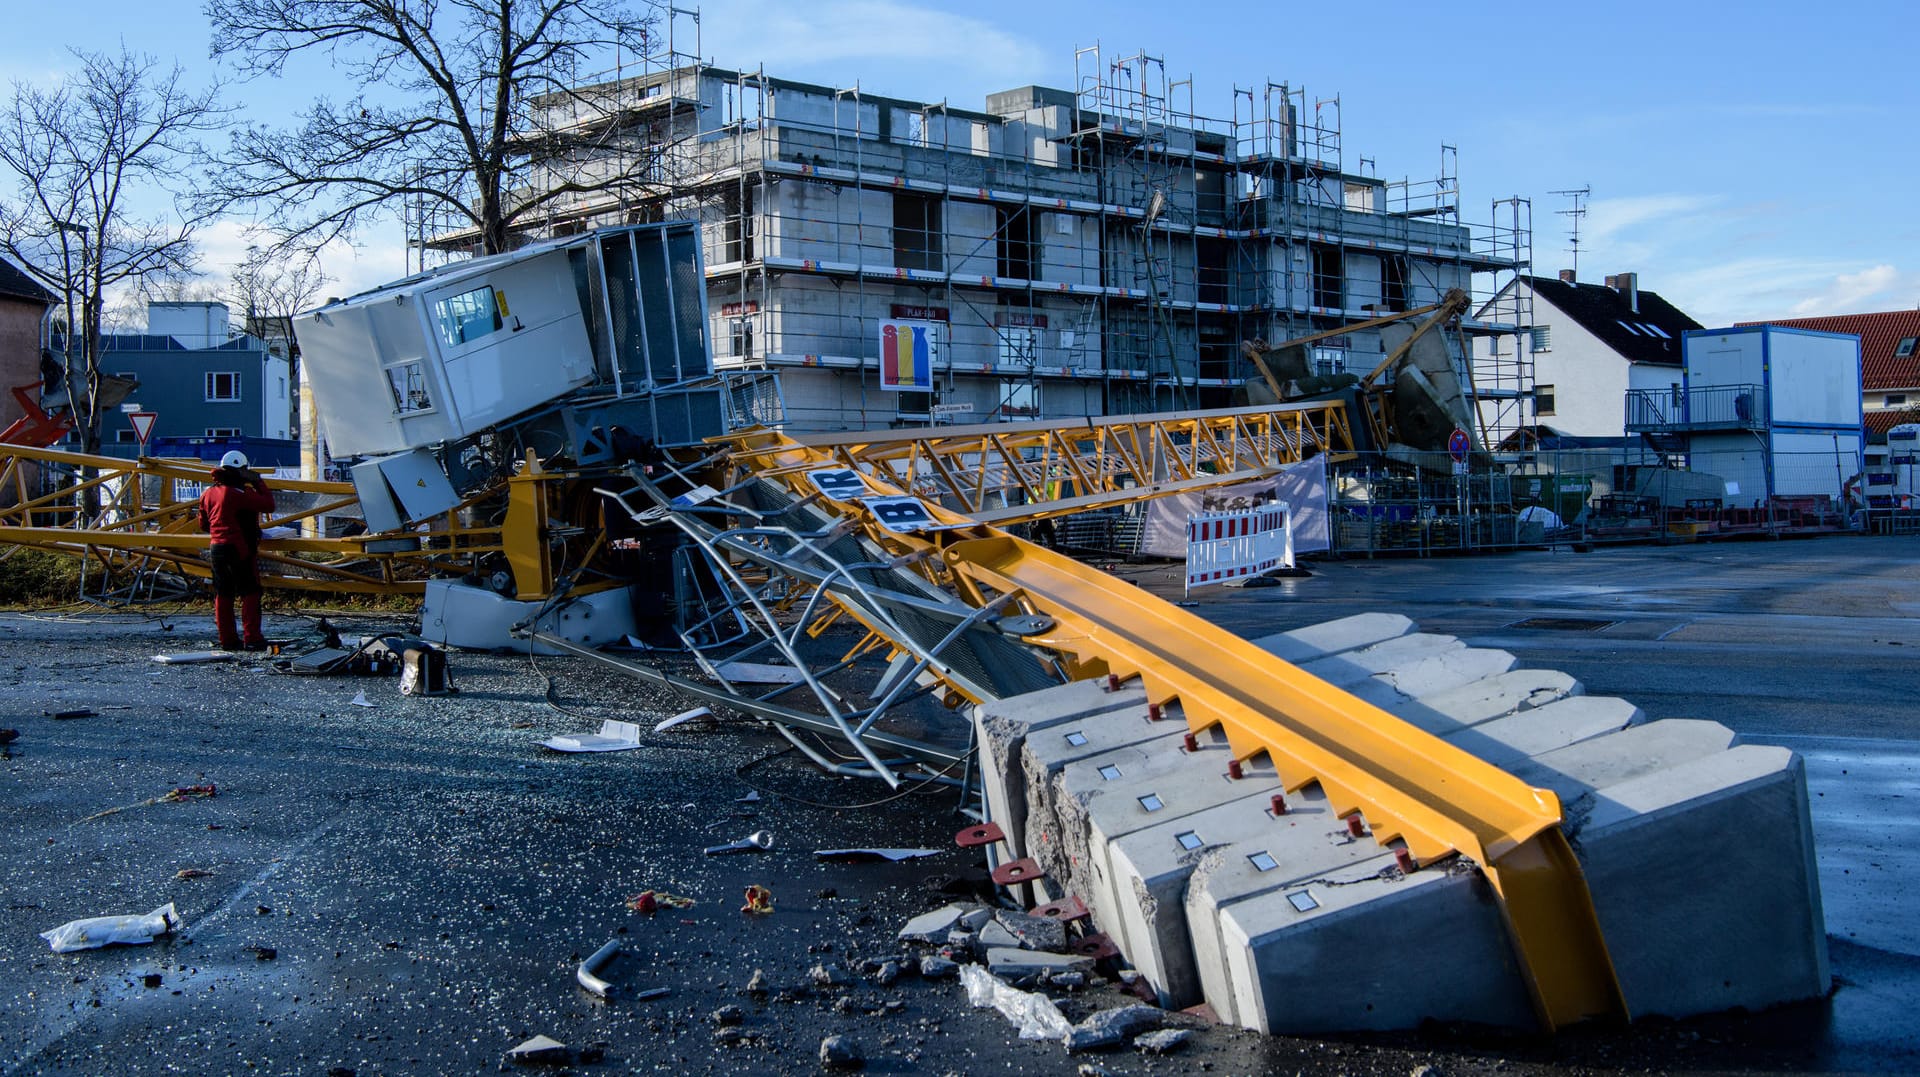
column 560, row 348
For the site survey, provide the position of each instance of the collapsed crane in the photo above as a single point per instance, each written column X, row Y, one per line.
column 544, row 452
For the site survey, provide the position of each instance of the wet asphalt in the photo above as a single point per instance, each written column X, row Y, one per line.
column 426, row 877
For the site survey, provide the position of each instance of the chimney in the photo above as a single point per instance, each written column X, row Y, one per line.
column 1628, row 284
column 1566, row 276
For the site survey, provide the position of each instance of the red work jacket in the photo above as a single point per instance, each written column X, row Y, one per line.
column 231, row 514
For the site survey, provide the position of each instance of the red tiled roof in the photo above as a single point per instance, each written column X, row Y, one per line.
column 1879, row 422
column 1879, row 335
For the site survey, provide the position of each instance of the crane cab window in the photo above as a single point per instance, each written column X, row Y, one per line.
column 468, row 316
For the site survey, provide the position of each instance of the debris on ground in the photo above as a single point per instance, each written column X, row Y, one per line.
column 195, row 658
column 192, row 873
column 1032, row 1013
column 8, row 736
column 190, row 792
column 173, row 796
column 613, row 737
column 840, row 1053
column 1109, row 1028
column 682, row 718
column 756, row 841
column 758, row 673
column 585, row 974
column 1162, row 1041
column 540, row 1049
column 857, row 856
column 100, row 931
column 262, row 953
column 360, row 699
column 932, row 926
column 759, row 899
column 77, row 712
column 653, row 900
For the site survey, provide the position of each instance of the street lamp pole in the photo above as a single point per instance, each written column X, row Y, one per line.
column 66, row 276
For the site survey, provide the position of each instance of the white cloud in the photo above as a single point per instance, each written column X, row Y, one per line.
column 1880, row 287
column 889, row 38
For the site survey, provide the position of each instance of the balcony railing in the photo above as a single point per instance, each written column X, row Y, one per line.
column 1712, row 407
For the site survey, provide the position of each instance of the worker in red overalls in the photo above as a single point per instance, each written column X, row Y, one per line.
column 230, row 511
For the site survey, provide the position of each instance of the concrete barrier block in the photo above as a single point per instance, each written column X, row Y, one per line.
column 1578, row 772
column 1369, row 948
column 1703, row 877
column 1506, row 742
column 1352, row 667
column 1332, row 637
column 1492, row 697
column 1003, row 726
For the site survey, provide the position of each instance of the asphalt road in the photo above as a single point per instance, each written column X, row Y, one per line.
column 426, row 876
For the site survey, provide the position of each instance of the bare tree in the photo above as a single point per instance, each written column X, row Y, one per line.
column 268, row 289
column 81, row 153
column 468, row 106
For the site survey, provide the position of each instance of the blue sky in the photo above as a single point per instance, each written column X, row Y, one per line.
column 1747, row 160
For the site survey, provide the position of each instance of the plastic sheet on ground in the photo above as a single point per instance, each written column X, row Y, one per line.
column 857, row 855
column 1032, row 1013
column 100, row 931
column 613, row 737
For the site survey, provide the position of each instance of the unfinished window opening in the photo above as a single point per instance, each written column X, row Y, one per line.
column 1329, row 276
column 1393, row 281
column 1211, row 274
column 917, row 240
column 1016, row 243
column 223, row 386
column 1019, row 345
column 916, row 405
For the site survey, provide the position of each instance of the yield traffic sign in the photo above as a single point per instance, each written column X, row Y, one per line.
column 142, row 424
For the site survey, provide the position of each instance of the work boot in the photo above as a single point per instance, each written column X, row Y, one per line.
column 255, row 645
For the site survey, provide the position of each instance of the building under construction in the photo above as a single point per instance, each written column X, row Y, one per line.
column 1103, row 249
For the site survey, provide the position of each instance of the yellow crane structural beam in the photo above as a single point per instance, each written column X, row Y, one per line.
column 1008, row 472
column 1407, row 784
column 148, row 514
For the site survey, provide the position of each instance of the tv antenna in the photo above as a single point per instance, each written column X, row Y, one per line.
column 1578, row 196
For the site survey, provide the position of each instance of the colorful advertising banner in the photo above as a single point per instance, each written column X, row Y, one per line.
column 906, row 356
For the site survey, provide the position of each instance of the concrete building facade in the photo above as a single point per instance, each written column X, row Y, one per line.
column 1067, row 254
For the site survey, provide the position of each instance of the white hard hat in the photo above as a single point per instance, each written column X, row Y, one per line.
column 234, row 459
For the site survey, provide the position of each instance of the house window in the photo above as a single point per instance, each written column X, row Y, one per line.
column 468, row 316
column 1895, row 400
column 1016, row 244
column 1542, row 338
column 223, row 431
column 223, row 386
column 1905, row 347
column 283, row 388
column 740, row 330
column 1022, row 401
column 1543, row 400
column 125, row 437
column 917, row 241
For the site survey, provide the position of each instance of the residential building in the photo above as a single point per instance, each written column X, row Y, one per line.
column 1589, row 346
column 1061, row 253
column 1889, row 363
column 23, row 317
column 198, row 379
